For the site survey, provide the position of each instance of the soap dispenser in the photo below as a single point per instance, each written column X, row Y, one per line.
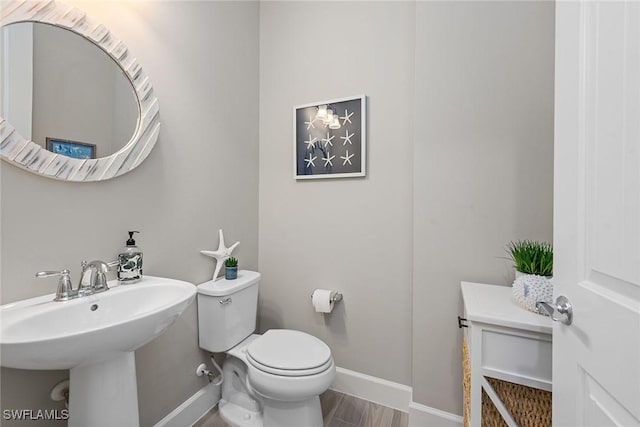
column 130, row 262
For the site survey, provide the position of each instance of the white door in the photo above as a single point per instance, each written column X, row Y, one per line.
column 596, row 359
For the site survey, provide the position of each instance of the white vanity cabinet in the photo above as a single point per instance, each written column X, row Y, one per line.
column 505, row 342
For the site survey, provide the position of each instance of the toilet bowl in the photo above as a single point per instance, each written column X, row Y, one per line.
column 271, row 380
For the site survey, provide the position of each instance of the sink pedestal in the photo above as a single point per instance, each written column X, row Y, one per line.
column 104, row 393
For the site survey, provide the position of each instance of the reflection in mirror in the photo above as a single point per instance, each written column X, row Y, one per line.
column 61, row 87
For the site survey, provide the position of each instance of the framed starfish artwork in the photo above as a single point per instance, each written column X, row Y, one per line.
column 329, row 139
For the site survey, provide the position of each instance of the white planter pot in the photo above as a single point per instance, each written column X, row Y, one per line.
column 528, row 289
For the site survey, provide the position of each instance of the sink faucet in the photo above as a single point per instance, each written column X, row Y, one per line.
column 93, row 279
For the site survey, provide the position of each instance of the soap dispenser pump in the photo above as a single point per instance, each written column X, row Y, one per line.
column 130, row 262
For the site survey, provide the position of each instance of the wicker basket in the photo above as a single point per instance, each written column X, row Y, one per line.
column 529, row 407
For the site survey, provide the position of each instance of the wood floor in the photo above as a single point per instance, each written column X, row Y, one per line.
column 339, row 410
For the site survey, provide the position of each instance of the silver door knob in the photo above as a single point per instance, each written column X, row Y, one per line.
column 562, row 306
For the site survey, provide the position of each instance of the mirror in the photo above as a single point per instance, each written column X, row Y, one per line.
column 76, row 104
column 67, row 96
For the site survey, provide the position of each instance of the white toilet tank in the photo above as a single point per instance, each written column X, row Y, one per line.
column 227, row 311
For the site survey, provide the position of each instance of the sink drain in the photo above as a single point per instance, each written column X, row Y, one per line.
column 94, row 307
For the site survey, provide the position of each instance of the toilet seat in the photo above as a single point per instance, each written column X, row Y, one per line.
column 289, row 372
column 289, row 353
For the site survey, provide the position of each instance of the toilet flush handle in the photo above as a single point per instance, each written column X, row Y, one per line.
column 225, row 301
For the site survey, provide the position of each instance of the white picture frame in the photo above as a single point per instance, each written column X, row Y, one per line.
column 321, row 152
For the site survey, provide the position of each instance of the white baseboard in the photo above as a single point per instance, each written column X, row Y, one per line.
column 193, row 408
column 424, row 416
column 373, row 389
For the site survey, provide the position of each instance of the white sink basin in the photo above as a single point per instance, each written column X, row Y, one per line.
column 39, row 333
column 95, row 337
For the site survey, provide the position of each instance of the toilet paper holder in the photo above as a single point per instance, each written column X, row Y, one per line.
column 335, row 296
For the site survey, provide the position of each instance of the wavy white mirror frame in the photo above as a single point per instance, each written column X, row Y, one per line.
column 30, row 156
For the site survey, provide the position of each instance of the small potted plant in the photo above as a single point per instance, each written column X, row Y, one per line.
column 533, row 262
column 231, row 268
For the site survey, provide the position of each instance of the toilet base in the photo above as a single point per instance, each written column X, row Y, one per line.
column 292, row 414
column 239, row 416
column 244, row 406
column 305, row 413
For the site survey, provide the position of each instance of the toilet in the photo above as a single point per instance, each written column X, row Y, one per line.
column 270, row 380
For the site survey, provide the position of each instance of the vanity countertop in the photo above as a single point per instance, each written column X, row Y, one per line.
column 494, row 304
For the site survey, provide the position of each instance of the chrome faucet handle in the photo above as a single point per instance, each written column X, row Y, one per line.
column 99, row 281
column 45, row 274
column 65, row 290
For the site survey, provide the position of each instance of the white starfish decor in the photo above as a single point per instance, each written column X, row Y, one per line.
column 310, row 122
column 310, row 160
column 221, row 254
column 347, row 158
column 328, row 139
column 311, row 142
column 346, row 118
column 347, row 138
column 327, row 160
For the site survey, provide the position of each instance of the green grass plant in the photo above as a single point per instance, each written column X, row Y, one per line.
column 531, row 257
column 231, row 262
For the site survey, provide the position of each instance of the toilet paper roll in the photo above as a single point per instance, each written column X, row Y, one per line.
column 321, row 300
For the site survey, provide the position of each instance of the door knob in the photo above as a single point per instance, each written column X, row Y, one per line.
column 562, row 306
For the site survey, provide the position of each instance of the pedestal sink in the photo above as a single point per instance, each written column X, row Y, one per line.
column 95, row 337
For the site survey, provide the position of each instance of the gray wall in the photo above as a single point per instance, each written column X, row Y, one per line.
column 483, row 168
column 352, row 235
column 202, row 58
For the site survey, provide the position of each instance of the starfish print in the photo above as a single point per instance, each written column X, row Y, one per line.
column 346, row 118
column 221, row 254
column 347, row 138
column 327, row 160
column 310, row 160
column 347, row 158
column 310, row 122
column 311, row 142
column 327, row 140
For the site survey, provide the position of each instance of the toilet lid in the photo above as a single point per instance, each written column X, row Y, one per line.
column 290, row 372
column 287, row 350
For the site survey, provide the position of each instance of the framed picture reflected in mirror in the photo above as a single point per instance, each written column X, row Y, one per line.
column 73, row 149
